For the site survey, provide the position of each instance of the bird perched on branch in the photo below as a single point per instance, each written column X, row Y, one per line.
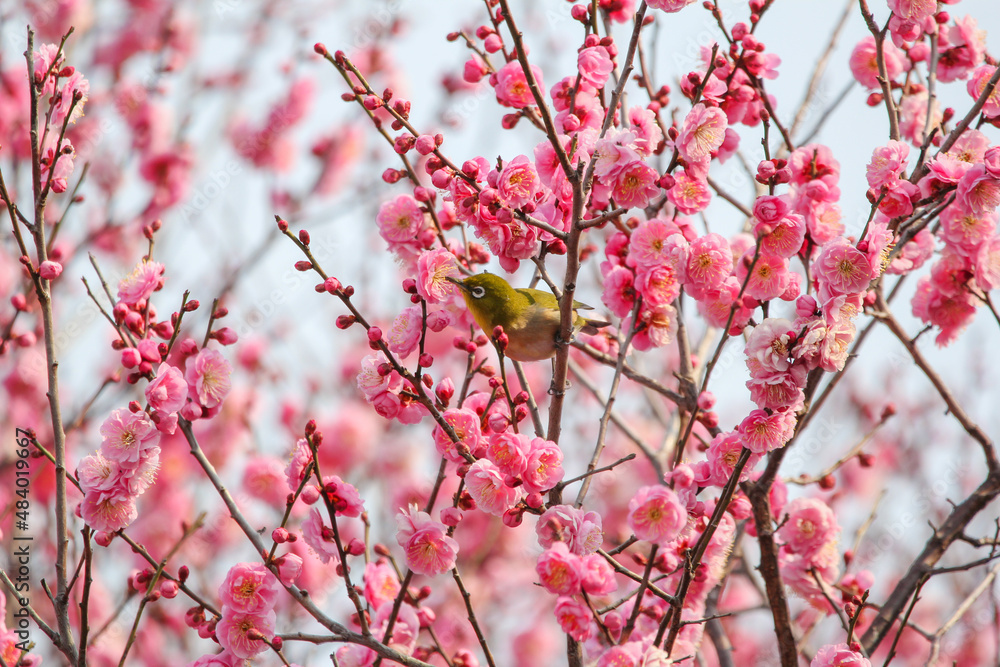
column 530, row 318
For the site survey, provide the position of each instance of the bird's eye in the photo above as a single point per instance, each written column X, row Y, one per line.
column 478, row 292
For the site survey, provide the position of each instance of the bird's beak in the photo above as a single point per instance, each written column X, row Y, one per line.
column 456, row 281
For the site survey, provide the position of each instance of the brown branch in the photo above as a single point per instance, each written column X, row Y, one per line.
column 973, row 429
column 777, row 600
column 820, row 68
column 924, row 563
column 883, row 78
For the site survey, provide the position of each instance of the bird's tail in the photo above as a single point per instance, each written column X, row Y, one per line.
column 591, row 326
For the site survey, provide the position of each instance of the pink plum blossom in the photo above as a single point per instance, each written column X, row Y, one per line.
column 768, row 346
column 887, row 163
column 669, row 6
column 207, row 376
column 400, row 220
column 428, row 547
column 249, row 588
column 574, row 618
column 703, row 132
column 913, row 116
column 49, row 270
column 689, row 193
column 465, row 424
column 648, row 134
column 619, row 291
column 842, row 267
column 658, row 285
column 580, row 530
column 655, row 327
column 319, row 537
column 559, row 570
column 343, row 497
column 635, row 185
column 594, row 65
column 486, row 486
column 433, row 267
column 97, row 473
column 518, row 183
column 598, row 577
column 168, row 391
column 839, row 655
column 776, row 391
column 782, row 238
column 381, row 583
column 655, row 243
column 108, row 513
column 723, row 454
column 56, row 177
column 509, row 451
column 126, row 436
column 139, row 285
column 512, row 87
column 710, row 262
column 768, row 279
column 977, row 84
column 979, row 191
column 613, row 152
column 543, row 468
column 234, row 627
column 762, row 432
column 656, row 515
column 404, row 335
column 865, row 68
column 811, row 525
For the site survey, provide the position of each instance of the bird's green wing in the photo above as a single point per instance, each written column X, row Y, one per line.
column 548, row 300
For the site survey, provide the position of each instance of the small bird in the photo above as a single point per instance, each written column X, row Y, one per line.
column 529, row 317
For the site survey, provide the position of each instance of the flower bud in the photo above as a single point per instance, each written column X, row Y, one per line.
column 425, row 144
column 451, row 516
column 513, row 517
column 130, row 357
column 134, row 322
column 310, row 494
column 225, row 336
column 49, row 270
column 169, row 588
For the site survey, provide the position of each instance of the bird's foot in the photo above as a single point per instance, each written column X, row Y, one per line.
column 559, row 392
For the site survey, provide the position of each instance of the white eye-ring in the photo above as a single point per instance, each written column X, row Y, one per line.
column 478, row 292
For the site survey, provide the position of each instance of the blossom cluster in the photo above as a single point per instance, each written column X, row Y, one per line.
column 248, row 594
column 651, row 551
column 188, row 383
